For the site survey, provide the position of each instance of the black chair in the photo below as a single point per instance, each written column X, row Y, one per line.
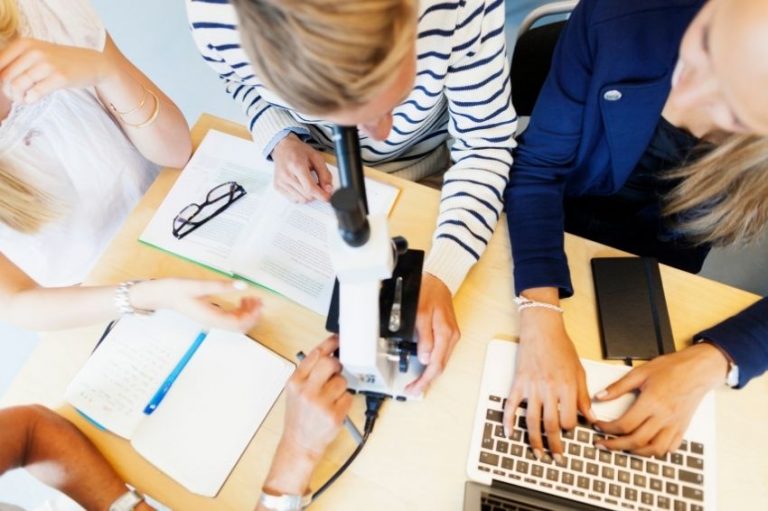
column 532, row 57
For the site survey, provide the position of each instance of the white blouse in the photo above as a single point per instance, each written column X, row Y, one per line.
column 68, row 146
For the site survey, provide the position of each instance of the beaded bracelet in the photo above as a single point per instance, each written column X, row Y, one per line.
column 525, row 303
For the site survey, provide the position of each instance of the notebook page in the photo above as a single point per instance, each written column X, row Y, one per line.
column 287, row 250
column 127, row 369
column 198, row 433
column 218, row 159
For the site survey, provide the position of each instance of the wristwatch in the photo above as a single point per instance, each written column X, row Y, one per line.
column 732, row 377
column 123, row 300
column 127, row 501
column 285, row 502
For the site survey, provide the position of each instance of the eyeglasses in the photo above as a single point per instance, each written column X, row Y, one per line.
column 218, row 199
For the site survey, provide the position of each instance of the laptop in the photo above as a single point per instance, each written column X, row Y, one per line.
column 505, row 476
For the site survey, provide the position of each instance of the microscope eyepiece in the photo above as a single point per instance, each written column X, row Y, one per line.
column 353, row 223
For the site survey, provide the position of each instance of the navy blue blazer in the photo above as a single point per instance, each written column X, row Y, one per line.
column 595, row 116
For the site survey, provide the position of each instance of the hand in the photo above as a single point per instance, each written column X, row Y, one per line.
column 295, row 164
column 318, row 400
column 437, row 330
column 317, row 403
column 31, row 69
column 549, row 375
column 192, row 298
column 670, row 388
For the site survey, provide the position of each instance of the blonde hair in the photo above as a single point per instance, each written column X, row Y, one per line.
column 322, row 56
column 722, row 197
column 22, row 207
column 9, row 21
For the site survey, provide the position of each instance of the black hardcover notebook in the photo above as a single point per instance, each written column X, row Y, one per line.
column 634, row 321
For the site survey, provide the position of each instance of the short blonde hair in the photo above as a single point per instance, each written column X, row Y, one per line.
column 322, row 56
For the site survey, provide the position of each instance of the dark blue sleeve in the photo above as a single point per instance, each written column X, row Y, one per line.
column 745, row 338
column 545, row 155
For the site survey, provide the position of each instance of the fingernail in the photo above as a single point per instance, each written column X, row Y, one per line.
column 424, row 358
column 506, row 432
column 239, row 284
column 597, row 428
column 538, row 454
column 602, row 394
column 558, row 458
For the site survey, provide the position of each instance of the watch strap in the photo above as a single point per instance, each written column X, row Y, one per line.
column 123, row 300
column 127, row 501
column 285, row 502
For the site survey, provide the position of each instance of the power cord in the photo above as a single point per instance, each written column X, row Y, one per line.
column 372, row 406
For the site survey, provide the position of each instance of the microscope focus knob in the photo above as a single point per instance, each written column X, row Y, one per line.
column 353, row 223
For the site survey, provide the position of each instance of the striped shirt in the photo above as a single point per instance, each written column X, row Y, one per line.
column 461, row 95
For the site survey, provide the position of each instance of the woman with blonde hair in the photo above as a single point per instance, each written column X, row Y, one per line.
column 651, row 135
column 426, row 84
column 82, row 133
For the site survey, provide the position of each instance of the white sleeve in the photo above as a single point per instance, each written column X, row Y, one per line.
column 69, row 22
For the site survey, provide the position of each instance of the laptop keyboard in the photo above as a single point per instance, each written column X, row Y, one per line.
column 615, row 480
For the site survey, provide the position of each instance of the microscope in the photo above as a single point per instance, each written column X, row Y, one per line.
column 376, row 294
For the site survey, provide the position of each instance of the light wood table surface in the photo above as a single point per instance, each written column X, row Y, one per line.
column 416, row 457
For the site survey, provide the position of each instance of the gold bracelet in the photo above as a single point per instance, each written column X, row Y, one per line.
column 139, row 107
column 151, row 118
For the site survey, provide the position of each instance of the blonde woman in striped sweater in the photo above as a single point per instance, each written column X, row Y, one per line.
column 415, row 77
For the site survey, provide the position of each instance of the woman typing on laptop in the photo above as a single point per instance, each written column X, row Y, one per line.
column 650, row 135
column 82, row 134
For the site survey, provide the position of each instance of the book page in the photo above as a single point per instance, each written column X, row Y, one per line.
column 288, row 249
column 128, row 368
column 209, row 416
column 263, row 237
column 218, row 159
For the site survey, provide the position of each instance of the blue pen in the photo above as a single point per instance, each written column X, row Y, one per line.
column 168, row 383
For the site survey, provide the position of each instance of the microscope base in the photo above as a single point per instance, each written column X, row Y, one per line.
column 399, row 380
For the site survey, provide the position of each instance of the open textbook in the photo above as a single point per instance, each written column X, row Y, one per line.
column 263, row 237
column 222, row 388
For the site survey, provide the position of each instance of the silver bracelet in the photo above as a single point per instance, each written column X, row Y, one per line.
column 128, row 501
column 285, row 502
column 525, row 303
column 123, row 300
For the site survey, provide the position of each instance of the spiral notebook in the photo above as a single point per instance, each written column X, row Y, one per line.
column 209, row 414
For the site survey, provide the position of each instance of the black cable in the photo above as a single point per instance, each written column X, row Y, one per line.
column 372, row 406
column 628, row 362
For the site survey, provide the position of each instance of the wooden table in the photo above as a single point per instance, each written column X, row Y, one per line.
column 417, row 456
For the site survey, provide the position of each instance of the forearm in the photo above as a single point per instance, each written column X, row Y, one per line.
column 56, row 453
column 470, row 207
column 291, row 472
column 166, row 139
column 744, row 337
column 39, row 308
column 535, row 219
